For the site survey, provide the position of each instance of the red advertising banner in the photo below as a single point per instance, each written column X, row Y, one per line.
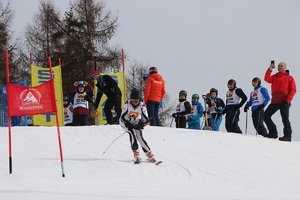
column 31, row 100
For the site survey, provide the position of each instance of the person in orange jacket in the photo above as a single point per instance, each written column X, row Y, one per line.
column 283, row 89
column 154, row 93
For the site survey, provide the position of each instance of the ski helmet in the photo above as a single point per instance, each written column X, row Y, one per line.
column 256, row 79
column 232, row 81
column 152, row 70
column 183, row 92
column 195, row 96
column 135, row 94
column 213, row 90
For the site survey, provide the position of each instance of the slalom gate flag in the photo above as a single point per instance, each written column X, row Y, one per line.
column 40, row 75
column 119, row 77
column 31, row 100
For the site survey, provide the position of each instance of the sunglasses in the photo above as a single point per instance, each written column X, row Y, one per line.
column 255, row 82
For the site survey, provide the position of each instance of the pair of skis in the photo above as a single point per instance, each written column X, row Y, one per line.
column 138, row 161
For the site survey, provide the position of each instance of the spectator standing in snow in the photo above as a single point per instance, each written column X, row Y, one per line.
column 154, row 93
column 235, row 98
column 259, row 98
column 68, row 112
column 81, row 92
column 134, row 118
column 194, row 117
column 182, row 109
column 283, row 88
column 215, row 108
column 108, row 86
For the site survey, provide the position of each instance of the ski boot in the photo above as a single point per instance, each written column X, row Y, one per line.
column 150, row 156
column 136, row 155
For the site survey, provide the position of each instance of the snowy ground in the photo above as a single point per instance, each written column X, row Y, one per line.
column 196, row 165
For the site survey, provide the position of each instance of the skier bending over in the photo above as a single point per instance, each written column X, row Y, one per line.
column 134, row 118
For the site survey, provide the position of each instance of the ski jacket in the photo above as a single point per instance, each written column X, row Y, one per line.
column 259, row 96
column 195, row 115
column 155, row 88
column 283, row 86
column 108, row 86
column 133, row 114
column 80, row 105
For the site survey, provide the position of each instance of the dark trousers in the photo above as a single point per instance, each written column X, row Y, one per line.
column 109, row 104
column 284, row 108
column 231, row 120
column 152, row 109
column 258, row 122
column 180, row 121
column 80, row 120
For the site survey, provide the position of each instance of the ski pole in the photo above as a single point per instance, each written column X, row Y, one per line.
column 112, row 143
column 171, row 122
column 258, row 121
column 246, row 121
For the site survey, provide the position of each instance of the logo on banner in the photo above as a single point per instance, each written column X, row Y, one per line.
column 30, row 100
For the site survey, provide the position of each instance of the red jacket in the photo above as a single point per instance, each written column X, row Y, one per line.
column 283, row 86
column 155, row 88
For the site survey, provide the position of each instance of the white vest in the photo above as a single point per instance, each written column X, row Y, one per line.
column 68, row 115
column 257, row 97
column 194, row 110
column 79, row 101
column 232, row 98
column 180, row 107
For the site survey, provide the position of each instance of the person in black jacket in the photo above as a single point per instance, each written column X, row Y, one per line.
column 182, row 109
column 108, row 86
column 233, row 104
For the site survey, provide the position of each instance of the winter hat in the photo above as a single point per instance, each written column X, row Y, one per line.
column 66, row 98
column 152, row 70
column 95, row 72
column 135, row 94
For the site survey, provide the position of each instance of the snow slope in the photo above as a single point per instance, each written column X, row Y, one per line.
column 196, row 165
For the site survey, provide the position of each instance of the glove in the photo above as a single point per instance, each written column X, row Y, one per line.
column 224, row 111
column 128, row 125
column 186, row 117
column 246, row 108
column 174, row 115
column 139, row 125
column 87, row 98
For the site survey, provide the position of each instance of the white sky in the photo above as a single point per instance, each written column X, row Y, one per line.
column 196, row 165
column 197, row 45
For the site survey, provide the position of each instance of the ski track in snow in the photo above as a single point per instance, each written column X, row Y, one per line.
column 196, row 165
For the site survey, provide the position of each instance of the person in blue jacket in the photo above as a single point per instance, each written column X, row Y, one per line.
column 194, row 117
column 215, row 107
column 259, row 98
